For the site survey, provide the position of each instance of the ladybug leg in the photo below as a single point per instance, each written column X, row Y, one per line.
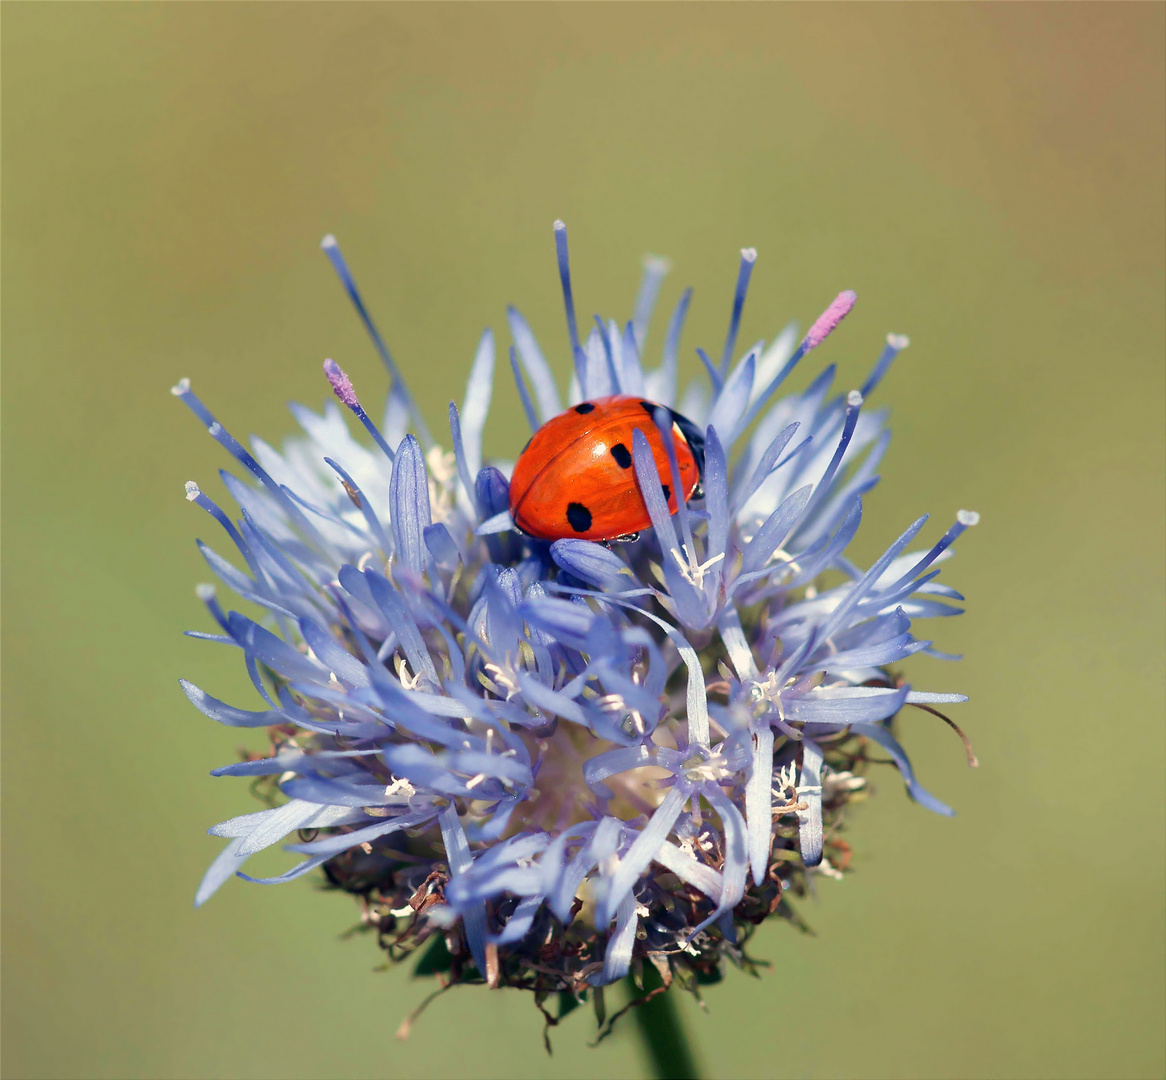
column 627, row 538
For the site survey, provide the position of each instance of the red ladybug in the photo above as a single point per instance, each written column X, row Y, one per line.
column 575, row 476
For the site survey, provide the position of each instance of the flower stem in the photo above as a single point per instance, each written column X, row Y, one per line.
column 664, row 1039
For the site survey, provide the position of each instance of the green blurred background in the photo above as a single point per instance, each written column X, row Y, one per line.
column 989, row 178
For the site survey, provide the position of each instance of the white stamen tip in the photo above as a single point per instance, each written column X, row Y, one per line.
column 192, row 491
column 898, row 341
column 749, row 254
column 215, row 430
column 657, row 263
column 205, row 592
column 854, row 399
column 181, row 387
column 968, row 518
column 329, row 241
column 559, row 226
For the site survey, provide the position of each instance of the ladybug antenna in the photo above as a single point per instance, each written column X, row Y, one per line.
column 744, row 273
column 330, row 248
column 342, row 385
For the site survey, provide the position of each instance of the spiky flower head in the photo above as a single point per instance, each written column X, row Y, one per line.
column 551, row 762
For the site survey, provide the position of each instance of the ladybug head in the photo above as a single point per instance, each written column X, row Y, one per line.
column 694, row 436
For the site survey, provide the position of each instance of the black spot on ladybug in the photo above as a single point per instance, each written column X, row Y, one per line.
column 622, row 458
column 578, row 517
column 667, row 493
column 584, row 408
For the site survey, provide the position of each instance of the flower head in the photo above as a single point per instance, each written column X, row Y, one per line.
column 552, row 761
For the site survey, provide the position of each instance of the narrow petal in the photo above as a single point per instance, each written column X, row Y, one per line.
column 640, row 854
column 534, row 363
column 457, row 851
column 810, row 792
column 759, row 803
column 409, row 501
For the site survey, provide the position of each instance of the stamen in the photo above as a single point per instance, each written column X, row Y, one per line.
column 342, row 385
column 332, row 250
column 182, row 390
column 822, row 489
column 208, row 594
column 195, row 495
column 896, row 343
column 823, row 326
column 829, row 319
column 744, row 273
column 692, row 571
column 964, row 520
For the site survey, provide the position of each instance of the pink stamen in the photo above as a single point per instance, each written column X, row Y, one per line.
column 342, row 384
column 829, row 319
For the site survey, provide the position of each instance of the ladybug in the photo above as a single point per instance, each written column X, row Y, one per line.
column 575, row 476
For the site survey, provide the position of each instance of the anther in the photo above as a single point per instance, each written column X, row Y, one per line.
column 825, row 324
column 342, row 386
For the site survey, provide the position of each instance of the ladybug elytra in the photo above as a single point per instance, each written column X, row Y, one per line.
column 575, row 477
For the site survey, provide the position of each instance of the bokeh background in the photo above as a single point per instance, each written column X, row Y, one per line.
column 989, row 178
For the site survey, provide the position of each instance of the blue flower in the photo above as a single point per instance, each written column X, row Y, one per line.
column 512, row 751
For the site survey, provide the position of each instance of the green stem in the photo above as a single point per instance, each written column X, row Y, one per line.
column 664, row 1039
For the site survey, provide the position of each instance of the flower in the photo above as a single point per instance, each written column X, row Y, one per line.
column 551, row 762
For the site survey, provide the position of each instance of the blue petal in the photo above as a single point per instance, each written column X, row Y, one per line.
column 729, row 407
column 227, row 714
column 631, row 373
column 219, row 871
column 618, row 958
column 442, row 546
column 328, row 651
column 564, row 620
column 613, row 762
column 409, row 504
column 457, row 852
column 532, row 417
column 548, row 700
column 277, row 654
column 640, row 855
column 765, row 465
column 759, row 803
column 716, row 486
column 392, row 606
column 600, row 380
column 655, row 270
column 477, row 402
column 684, row 866
column 333, row 845
column 810, row 819
column 519, row 922
column 844, row 705
column 537, row 369
column 776, row 528
column 593, row 563
column 919, row 793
